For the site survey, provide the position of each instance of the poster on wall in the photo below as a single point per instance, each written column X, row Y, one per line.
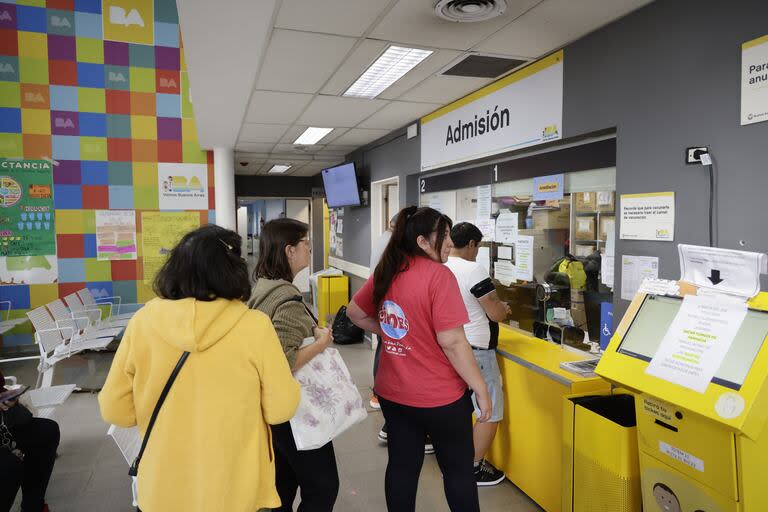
column 754, row 81
column 548, row 188
column 160, row 232
column 518, row 111
column 29, row 270
column 648, row 216
column 182, row 186
column 115, row 235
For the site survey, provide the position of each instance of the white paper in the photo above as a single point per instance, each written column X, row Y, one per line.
column 722, row 270
column 484, row 258
column 115, row 235
column 483, row 201
column 659, row 287
column 606, row 226
column 504, row 272
column 697, row 341
column 606, row 269
column 340, row 226
column 486, row 227
column 524, row 258
column 604, row 198
column 633, row 270
column 610, row 244
column 706, row 159
column 506, row 227
column 182, row 186
column 504, row 253
column 648, row 216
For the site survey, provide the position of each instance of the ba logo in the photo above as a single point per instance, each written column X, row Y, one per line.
column 34, row 97
column 392, row 320
column 118, row 16
column 6, row 16
column 57, row 21
column 116, row 77
column 168, row 82
column 6, row 68
column 64, row 122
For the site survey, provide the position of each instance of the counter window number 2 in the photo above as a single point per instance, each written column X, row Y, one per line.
column 423, row 186
column 495, row 173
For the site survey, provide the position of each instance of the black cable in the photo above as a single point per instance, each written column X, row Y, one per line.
column 711, row 202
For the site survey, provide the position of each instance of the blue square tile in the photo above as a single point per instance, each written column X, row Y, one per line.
column 9, row 68
column 65, row 147
column 31, row 19
column 120, row 197
column 71, row 270
column 166, row 34
column 90, row 75
column 64, row 98
column 89, row 245
column 126, row 290
column 10, row 120
column 93, row 6
column 94, row 173
column 100, row 289
column 88, row 25
column 119, row 126
column 168, row 105
column 68, row 197
column 211, row 216
column 18, row 294
column 93, row 124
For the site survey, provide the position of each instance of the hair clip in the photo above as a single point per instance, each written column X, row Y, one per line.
column 225, row 244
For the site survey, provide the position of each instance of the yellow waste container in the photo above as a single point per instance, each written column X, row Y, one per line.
column 332, row 293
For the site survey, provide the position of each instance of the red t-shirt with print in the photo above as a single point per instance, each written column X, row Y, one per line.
column 422, row 301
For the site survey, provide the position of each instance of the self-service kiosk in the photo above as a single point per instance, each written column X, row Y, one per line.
column 699, row 452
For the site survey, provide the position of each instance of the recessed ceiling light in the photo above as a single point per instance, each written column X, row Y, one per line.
column 388, row 69
column 279, row 169
column 312, row 135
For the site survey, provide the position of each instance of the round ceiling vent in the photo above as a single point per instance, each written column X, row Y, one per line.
column 470, row 10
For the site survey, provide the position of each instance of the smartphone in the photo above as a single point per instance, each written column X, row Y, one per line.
column 13, row 394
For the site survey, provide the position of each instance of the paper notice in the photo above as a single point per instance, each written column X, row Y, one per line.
column 486, row 227
column 697, row 341
column 722, row 270
column 504, row 272
column 340, row 226
column 610, row 243
column 606, row 270
column 659, row 287
column 648, row 216
column 604, row 198
column 484, row 258
column 483, row 202
column 506, row 227
column 504, row 253
column 633, row 270
column 524, row 258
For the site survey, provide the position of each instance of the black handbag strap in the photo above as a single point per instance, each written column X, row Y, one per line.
column 134, row 470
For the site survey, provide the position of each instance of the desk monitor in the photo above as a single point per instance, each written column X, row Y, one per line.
column 656, row 315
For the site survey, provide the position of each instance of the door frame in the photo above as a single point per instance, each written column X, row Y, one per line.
column 377, row 201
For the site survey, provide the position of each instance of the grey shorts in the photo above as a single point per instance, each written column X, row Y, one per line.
column 489, row 367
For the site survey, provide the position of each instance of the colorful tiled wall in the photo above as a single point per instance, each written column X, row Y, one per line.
column 101, row 87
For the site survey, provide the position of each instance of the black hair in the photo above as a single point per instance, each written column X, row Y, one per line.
column 412, row 222
column 464, row 232
column 205, row 265
column 276, row 235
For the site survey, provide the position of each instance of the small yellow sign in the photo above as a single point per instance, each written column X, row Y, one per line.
column 130, row 21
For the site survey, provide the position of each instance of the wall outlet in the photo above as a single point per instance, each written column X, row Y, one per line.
column 693, row 155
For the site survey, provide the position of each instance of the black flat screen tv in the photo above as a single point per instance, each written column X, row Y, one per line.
column 340, row 185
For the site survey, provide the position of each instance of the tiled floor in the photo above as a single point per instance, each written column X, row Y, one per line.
column 91, row 474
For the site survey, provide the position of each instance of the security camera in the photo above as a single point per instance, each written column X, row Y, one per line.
column 244, row 164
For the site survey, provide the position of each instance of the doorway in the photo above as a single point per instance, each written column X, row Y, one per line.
column 385, row 203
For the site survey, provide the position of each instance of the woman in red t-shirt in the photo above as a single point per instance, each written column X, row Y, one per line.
column 414, row 304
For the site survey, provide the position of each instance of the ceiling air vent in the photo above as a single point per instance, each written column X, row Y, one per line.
column 483, row 66
column 470, row 10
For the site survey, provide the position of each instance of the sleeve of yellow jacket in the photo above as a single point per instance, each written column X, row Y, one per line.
column 280, row 392
column 116, row 397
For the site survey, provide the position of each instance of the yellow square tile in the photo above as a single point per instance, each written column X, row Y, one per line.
column 91, row 99
column 11, row 145
column 90, row 50
column 33, row 44
column 144, row 292
column 93, row 148
column 144, row 174
column 144, row 127
column 188, row 130
column 129, row 21
column 42, row 294
column 70, row 222
column 35, row 121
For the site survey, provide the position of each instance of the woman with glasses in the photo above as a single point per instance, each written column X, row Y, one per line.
column 284, row 251
column 427, row 368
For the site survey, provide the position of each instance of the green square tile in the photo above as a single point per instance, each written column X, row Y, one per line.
column 141, row 56
column 165, row 11
column 89, row 221
column 126, row 290
column 60, row 22
column 142, row 79
column 186, row 104
column 192, row 154
column 91, row 100
column 145, row 198
column 117, row 77
column 119, row 126
column 120, row 173
column 9, row 68
column 33, row 3
column 10, row 94
column 96, row 270
column 33, row 71
column 11, row 145
column 93, row 148
column 90, row 50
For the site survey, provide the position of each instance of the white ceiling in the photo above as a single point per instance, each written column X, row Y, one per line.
column 262, row 71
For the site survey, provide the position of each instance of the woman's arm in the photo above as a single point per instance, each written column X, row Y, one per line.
column 362, row 320
column 323, row 339
column 458, row 351
column 280, row 392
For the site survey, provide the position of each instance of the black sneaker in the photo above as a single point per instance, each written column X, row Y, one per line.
column 383, row 434
column 487, row 475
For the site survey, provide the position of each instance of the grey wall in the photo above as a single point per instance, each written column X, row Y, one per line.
column 273, row 186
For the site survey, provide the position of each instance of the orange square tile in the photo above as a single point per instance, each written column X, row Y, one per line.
column 36, row 146
column 143, row 104
column 118, row 102
column 169, row 151
column 144, row 150
column 35, row 96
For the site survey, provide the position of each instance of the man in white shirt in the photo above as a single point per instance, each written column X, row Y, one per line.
column 485, row 310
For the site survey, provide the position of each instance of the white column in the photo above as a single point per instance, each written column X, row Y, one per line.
column 224, row 186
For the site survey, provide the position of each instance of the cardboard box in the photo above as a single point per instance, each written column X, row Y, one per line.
column 607, row 225
column 553, row 219
column 605, row 202
column 585, row 202
column 585, row 228
column 578, row 310
column 583, row 250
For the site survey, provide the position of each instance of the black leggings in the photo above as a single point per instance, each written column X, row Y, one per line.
column 38, row 440
column 312, row 471
column 450, row 427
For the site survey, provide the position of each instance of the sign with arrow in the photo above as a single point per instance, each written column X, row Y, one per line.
column 722, row 270
column 714, row 277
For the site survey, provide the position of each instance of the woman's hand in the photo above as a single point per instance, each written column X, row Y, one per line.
column 4, row 406
column 484, row 404
column 323, row 336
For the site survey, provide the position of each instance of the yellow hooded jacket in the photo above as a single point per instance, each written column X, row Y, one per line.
column 211, row 447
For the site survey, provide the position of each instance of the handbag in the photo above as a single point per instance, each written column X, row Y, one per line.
column 344, row 331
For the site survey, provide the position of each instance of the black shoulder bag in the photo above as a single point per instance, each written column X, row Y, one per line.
column 134, row 470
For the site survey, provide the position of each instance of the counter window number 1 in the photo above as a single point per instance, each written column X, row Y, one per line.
column 423, row 186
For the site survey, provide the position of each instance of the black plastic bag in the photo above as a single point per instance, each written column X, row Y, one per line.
column 344, row 331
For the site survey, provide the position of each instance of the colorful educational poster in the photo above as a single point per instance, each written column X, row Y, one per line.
column 182, row 186
column 29, row 270
column 754, row 81
column 648, row 216
column 161, row 231
column 524, row 257
column 115, row 235
column 26, row 208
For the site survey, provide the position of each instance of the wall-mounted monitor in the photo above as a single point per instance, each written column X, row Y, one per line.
column 340, row 185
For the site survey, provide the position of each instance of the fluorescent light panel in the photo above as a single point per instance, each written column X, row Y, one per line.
column 388, row 69
column 312, row 135
column 279, row 169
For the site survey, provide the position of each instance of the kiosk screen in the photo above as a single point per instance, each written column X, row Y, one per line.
column 656, row 315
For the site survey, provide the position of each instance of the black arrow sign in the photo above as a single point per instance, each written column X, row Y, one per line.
column 714, row 276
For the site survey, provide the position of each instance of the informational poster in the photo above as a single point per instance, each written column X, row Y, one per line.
column 484, row 201
column 634, row 269
column 182, row 186
column 754, row 81
column 160, row 232
column 29, row 270
column 487, row 227
column 524, row 258
column 504, row 272
column 115, row 235
column 27, row 214
column 648, row 216
column 340, row 226
column 548, row 188
column 698, row 339
column 503, row 253
column 722, row 270
column 506, row 227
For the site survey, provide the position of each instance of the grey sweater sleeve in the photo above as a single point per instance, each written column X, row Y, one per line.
column 292, row 325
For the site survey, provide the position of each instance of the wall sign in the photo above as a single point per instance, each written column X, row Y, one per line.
column 182, row 186
column 548, row 188
column 754, row 81
column 648, row 216
column 26, row 208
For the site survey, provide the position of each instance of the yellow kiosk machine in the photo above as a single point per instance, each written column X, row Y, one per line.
column 700, row 450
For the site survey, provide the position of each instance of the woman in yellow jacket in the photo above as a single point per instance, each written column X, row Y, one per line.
column 210, row 449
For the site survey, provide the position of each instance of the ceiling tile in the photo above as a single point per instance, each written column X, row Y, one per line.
column 301, row 61
column 363, row 56
column 338, row 111
column 398, row 114
column 254, row 147
column 427, row 68
column 344, row 17
column 359, row 137
column 296, row 150
column 276, row 107
column 444, row 89
column 254, row 132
